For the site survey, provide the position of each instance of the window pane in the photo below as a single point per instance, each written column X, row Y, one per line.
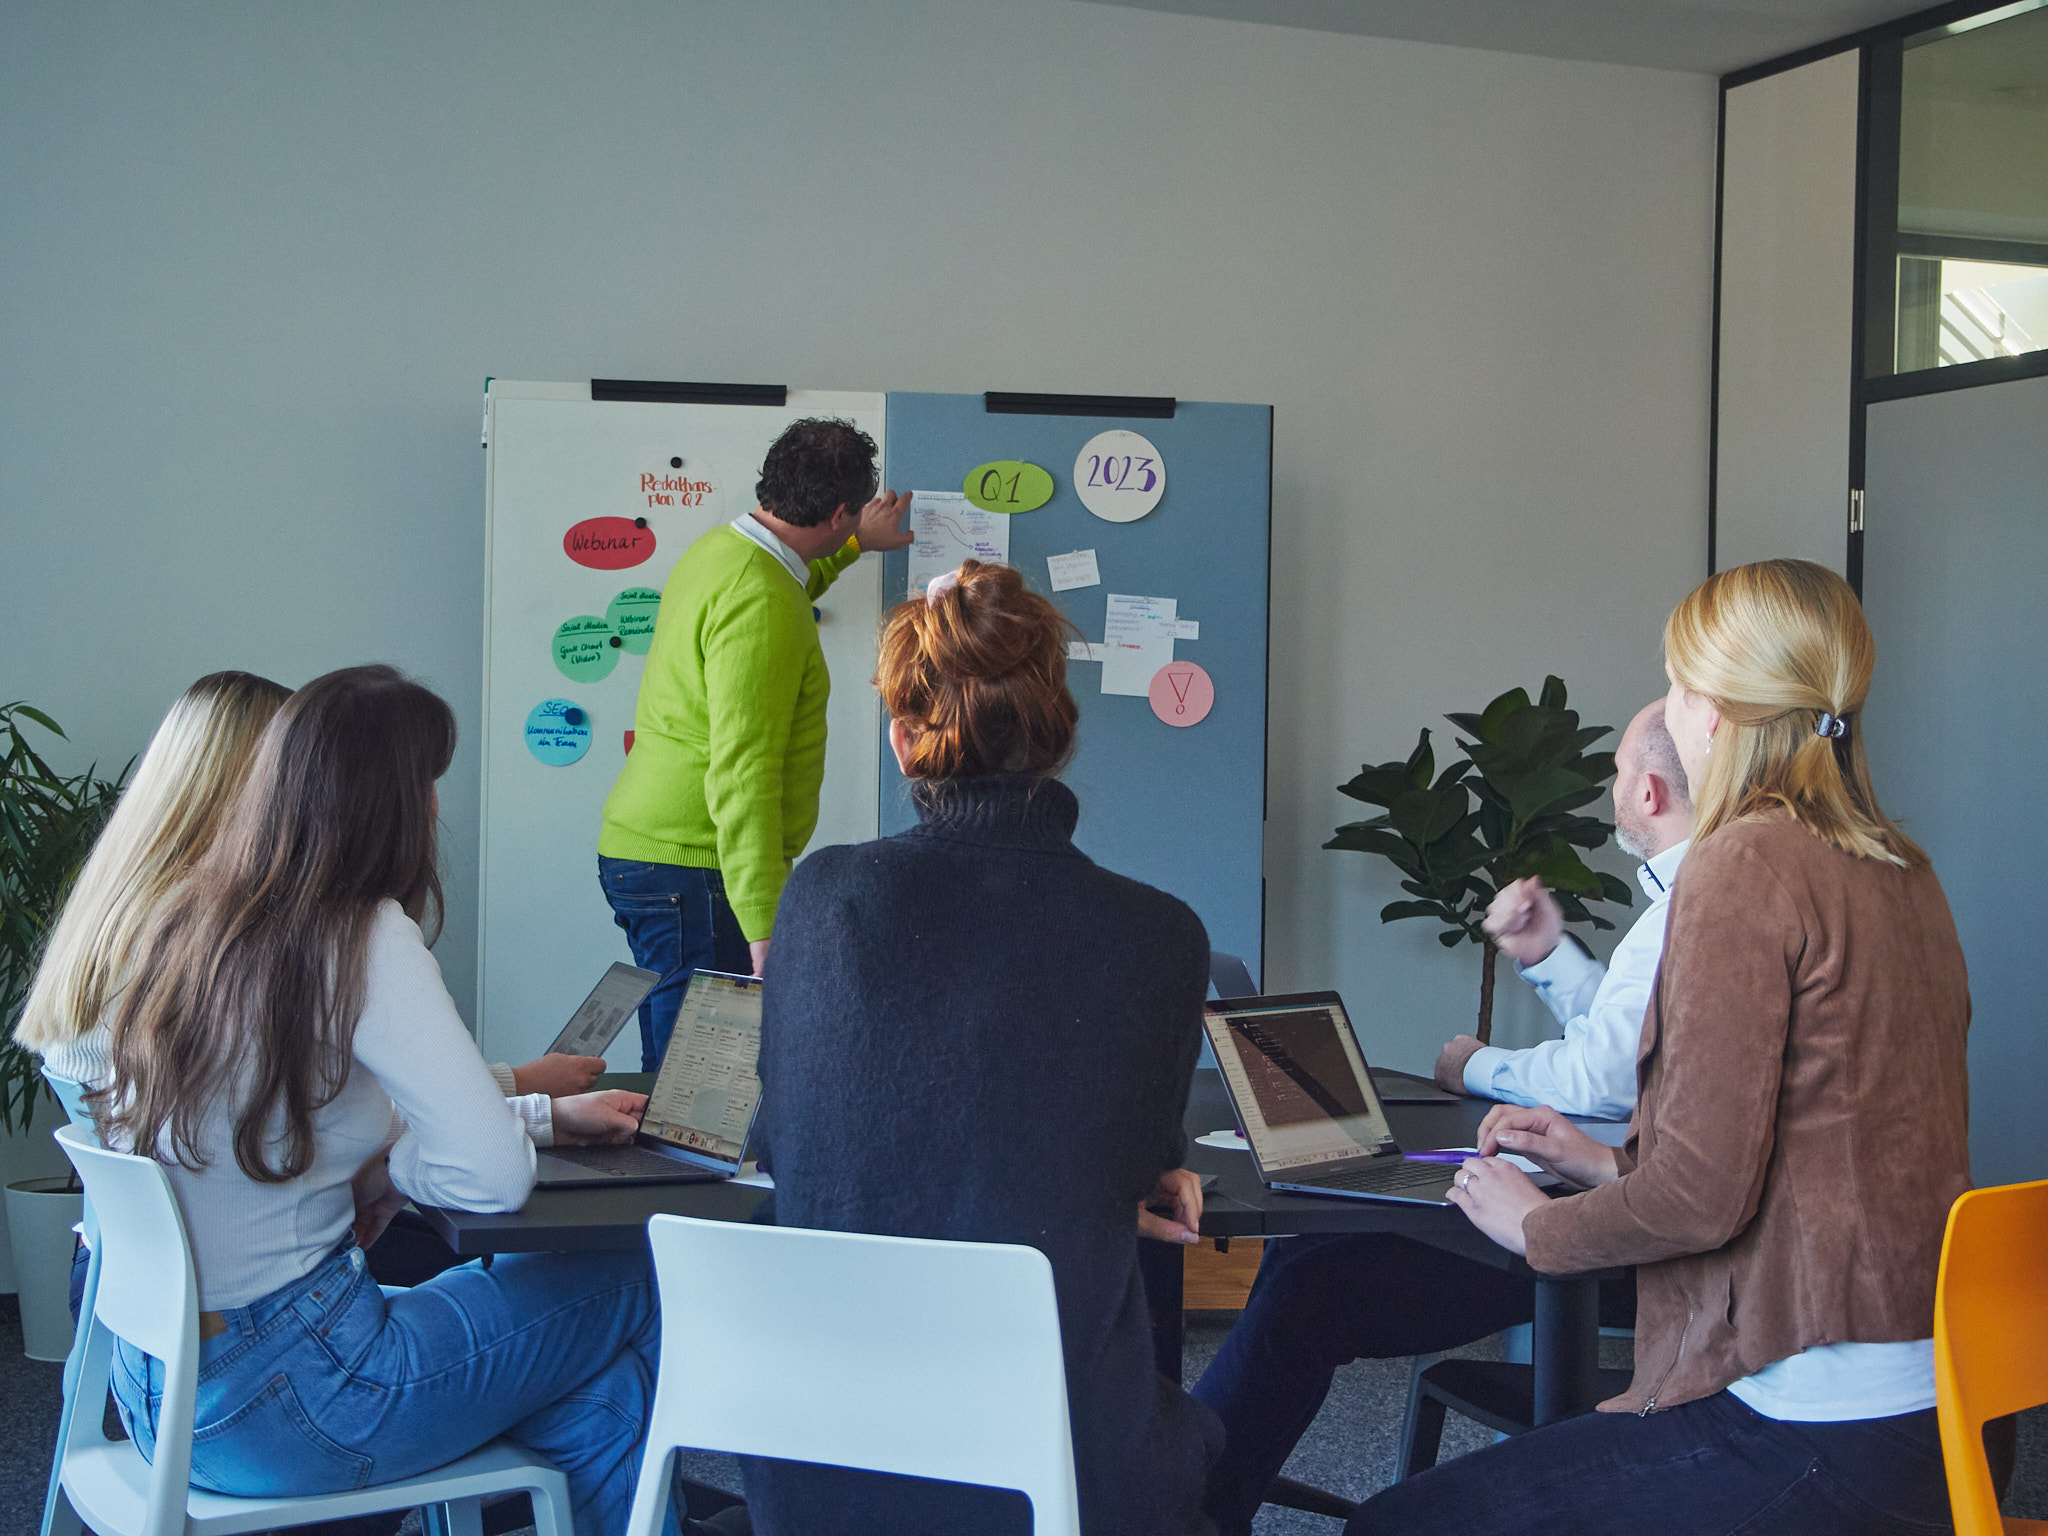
column 1973, row 194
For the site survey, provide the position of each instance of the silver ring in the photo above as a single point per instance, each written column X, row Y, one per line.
column 1464, row 1179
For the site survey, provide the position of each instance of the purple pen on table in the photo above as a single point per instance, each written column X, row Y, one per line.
column 1447, row 1155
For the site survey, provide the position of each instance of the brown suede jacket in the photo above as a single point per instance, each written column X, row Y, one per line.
column 1802, row 1124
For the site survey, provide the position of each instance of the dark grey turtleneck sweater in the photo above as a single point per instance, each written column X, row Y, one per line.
column 971, row 1031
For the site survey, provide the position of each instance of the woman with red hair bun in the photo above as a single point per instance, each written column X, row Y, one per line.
column 971, row 1031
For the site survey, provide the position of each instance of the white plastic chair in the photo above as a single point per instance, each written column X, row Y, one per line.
column 889, row 1354
column 148, row 1296
column 72, row 1096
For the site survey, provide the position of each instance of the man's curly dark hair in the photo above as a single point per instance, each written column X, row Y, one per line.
column 816, row 466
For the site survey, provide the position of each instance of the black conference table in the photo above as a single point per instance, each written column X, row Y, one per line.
column 1565, row 1350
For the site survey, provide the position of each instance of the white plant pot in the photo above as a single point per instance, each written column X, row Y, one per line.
column 28, row 1155
column 40, row 1216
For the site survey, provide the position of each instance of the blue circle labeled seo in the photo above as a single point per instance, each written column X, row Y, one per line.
column 558, row 731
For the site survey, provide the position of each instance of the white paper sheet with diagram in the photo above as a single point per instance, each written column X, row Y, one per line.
column 948, row 528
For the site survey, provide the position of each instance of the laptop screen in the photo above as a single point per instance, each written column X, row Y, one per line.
column 704, row 1097
column 1299, row 1080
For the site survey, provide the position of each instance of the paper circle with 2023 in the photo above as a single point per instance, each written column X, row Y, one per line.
column 1181, row 693
column 1119, row 476
column 631, row 616
column 558, row 731
column 586, row 648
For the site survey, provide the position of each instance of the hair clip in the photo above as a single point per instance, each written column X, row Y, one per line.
column 1831, row 726
column 938, row 586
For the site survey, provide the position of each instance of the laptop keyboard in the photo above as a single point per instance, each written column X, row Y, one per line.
column 621, row 1162
column 1393, row 1177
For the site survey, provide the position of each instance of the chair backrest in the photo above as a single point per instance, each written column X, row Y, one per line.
column 1990, row 1334
column 890, row 1354
column 71, row 1094
column 148, row 1296
column 1230, row 976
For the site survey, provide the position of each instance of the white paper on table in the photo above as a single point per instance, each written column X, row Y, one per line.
column 1085, row 650
column 1076, row 570
column 1137, row 635
column 1187, row 629
column 948, row 528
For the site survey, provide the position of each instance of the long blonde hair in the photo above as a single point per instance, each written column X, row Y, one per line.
column 166, row 819
column 1774, row 647
column 248, row 986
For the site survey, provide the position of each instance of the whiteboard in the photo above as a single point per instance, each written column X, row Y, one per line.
column 554, row 458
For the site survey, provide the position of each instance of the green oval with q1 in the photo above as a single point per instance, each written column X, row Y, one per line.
column 1008, row 486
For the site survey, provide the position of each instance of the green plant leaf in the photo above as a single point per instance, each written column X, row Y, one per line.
column 38, row 716
column 1421, row 764
column 1451, row 938
column 1380, row 785
column 1394, row 911
column 1553, row 693
column 1544, row 788
column 1498, row 711
column 1616, row 890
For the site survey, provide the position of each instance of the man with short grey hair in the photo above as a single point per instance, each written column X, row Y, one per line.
column 1592, row 1070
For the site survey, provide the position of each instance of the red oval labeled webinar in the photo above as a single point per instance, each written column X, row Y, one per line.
column 608, row 543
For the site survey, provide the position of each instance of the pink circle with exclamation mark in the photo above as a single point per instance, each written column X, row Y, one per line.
column 1182, row 693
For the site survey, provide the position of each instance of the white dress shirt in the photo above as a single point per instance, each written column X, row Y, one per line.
column 754, row 531
column 1592, row 1070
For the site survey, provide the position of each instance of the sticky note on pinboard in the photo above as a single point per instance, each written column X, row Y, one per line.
column 1075, row 570
column 1187, row 629
column 557, row 732
column 1084, row 650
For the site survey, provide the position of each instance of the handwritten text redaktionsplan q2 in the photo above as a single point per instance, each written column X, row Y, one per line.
column 676, row 490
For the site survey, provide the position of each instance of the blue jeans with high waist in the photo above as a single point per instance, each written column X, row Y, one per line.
column 327, row 1384
column 677, row 922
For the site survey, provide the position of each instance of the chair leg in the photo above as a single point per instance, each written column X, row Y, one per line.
column 1423, row 1432
column 457, row 1517
column 551, row 1515
column 59, row 1518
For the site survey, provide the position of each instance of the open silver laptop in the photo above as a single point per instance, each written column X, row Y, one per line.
column 702, row 1106
column 1305, row 1101
column 597, row 1021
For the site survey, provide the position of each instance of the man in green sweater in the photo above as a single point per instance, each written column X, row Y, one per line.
column 720, row 792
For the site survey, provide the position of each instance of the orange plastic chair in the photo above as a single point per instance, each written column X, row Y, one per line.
column 1990, row 1339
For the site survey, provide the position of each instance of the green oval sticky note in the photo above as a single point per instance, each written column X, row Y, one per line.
column 1008, row 486
column 586, row 649
column 631, row 615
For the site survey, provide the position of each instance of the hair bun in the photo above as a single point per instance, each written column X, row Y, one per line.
column 976, row 670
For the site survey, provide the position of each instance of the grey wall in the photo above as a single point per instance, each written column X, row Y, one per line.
column 1955, row 558
column 258, row 260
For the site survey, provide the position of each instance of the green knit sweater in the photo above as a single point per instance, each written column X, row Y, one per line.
column 729, row 735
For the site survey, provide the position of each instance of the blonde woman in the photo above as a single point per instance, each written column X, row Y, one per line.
column 165, row 821
column 1798, row 1140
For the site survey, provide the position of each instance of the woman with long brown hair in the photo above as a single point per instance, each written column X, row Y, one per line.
column 971, row 1031
column 167, row 818
column 1800, row 1133
column 283, row 1002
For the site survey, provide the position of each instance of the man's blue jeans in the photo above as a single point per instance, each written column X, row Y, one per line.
column 677, row 922
column 326, row 1384
column 1708, row 1468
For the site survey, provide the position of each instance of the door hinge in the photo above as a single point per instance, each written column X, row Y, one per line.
column 1856, row 510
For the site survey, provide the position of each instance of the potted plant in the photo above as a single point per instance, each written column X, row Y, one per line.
column 1527, row 768
column 47, row 826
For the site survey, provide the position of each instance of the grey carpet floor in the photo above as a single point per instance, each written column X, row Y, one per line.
column 1349, row 1450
